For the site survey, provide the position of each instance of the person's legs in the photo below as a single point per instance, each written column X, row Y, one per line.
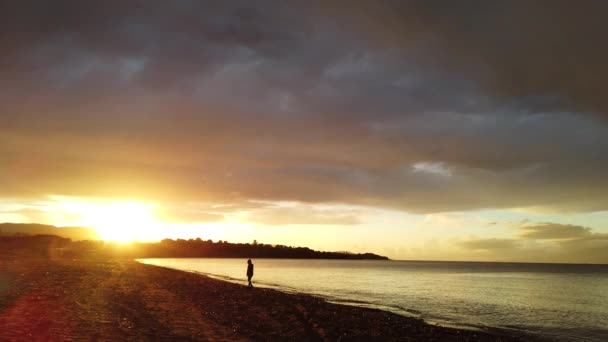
column 249, row 279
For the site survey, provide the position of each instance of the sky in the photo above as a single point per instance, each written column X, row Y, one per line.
column 435, row 130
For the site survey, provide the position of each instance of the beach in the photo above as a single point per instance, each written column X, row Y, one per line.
column 113, row 300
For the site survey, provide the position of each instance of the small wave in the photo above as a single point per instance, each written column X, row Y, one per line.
column 242, row 280
column 397, row 309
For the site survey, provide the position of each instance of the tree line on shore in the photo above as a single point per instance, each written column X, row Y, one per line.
column 52, row 245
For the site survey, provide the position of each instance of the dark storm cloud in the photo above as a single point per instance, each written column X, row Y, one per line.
column 554, row 231
column 225, row 102
column 517, row 49
column 546, row 242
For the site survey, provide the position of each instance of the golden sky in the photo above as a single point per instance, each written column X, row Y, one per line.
column 420, row 130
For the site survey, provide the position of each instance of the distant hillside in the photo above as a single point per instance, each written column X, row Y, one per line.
column 73, row 233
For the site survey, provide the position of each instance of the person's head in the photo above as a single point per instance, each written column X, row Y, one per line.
column 249, row 261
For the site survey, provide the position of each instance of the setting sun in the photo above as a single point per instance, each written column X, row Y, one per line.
column 115, row 221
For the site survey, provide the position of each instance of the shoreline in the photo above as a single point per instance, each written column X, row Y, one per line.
column 61, row 299
column 409, row 314
column 348, row 302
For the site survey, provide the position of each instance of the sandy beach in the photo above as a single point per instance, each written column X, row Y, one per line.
column 111, row 300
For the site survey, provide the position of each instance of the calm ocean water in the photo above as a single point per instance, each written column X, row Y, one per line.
column 558, row 301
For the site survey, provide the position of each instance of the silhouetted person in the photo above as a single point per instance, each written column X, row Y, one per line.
column 249, row 272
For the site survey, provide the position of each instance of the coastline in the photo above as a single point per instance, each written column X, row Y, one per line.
column 126, row 300
column 396, row 309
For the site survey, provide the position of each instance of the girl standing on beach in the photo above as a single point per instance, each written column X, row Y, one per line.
column 249, row 272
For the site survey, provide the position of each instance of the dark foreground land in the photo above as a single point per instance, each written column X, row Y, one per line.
column 50, row 299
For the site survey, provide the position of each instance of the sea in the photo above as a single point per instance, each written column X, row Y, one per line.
column 563, row 302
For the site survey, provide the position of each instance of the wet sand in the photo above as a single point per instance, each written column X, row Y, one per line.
column 117, row 300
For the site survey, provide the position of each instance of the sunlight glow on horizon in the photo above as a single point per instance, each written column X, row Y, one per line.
column 482, row 235
column 115, row 221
